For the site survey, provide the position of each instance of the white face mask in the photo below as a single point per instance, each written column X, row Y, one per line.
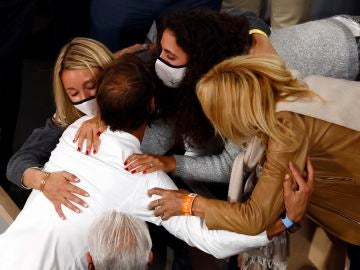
column 171, row 76
column 87, row 106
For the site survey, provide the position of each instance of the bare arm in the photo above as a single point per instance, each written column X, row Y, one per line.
column 261, row 44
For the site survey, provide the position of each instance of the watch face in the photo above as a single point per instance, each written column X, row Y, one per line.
column 293, row 228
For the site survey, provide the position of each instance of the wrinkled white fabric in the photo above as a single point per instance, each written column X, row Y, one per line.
column 39, row 239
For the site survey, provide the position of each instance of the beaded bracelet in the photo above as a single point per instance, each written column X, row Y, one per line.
column 187, row 204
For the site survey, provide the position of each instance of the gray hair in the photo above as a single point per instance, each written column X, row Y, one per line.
column 119, row 241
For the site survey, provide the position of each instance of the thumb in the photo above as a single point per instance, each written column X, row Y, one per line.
column 102, row 128
column 287, row 185
column 100, row 123
column 155, row 191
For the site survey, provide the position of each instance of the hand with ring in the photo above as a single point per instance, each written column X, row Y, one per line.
column 144, row 163
column 169, row 204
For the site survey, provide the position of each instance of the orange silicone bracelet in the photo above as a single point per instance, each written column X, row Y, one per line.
column 187, row 204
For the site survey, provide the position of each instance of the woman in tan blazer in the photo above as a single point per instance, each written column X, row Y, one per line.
column 243, row 97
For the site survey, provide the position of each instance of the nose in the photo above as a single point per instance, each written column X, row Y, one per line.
column 85, row 93
column 82, row 95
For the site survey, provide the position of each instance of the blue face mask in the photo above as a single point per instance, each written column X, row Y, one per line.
column 170, row 75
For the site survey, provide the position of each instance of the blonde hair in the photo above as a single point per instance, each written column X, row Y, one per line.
column 79, row 53
column 239, row 97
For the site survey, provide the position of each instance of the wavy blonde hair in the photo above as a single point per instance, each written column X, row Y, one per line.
column 79, row 53
column 239, row 97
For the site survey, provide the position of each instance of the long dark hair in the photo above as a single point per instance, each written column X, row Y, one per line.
column 208, row 38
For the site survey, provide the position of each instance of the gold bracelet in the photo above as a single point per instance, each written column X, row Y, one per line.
column 257, row 31
column 44, row 180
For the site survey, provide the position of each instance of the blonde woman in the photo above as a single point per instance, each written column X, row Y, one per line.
column 256, row 96
column 76, row 71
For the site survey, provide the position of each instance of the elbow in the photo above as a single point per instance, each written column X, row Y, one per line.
column 9, row 170
column 255, row 230
column 255, row 225
column 14, row 172
column 219, row 254
column 256, row 218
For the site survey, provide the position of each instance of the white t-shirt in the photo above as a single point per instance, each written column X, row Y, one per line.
column 39, row 239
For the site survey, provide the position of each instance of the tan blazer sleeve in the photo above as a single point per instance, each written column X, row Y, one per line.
column 266, row 202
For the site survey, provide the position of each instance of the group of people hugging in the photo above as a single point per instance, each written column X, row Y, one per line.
column 217, row 100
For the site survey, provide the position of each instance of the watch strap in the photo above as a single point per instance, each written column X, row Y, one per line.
column 287, row 222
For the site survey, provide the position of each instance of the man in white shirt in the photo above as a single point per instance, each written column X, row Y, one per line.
column 39, row 239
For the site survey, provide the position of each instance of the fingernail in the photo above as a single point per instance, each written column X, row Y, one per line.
column 125, row 163
column 78, row 149
column 77, row 211
column 98, row 133
column 74, row 141
column 87, row 152
column 133, row 171
column 77, row 179
column 87, row 194
column 94, row 151
column 127, row 169
column 85, row 205
column 62, row 217
column 144, row 172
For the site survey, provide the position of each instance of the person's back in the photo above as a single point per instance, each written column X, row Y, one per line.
column 335, row 153
column 58, row 242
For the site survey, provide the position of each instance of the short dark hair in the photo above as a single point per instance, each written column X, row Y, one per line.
column 125, row 92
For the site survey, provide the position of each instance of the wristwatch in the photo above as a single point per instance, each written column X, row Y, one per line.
column 290, row 226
